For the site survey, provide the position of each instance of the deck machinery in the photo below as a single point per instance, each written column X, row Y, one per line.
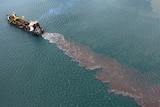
column 32, row 26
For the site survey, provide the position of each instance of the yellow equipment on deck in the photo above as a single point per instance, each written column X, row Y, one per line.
column 22, row 18
column 15, row 17
column 32, row 26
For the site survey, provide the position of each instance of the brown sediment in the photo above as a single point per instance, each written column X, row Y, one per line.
column 121, row 80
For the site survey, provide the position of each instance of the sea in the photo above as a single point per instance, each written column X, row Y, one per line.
column 94, row 53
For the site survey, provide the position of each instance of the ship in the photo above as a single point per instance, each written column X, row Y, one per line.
column 29, row 26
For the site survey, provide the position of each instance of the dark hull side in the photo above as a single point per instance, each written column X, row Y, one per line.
column 25, row 25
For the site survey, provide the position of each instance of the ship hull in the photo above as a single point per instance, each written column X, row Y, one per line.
column 32, row 27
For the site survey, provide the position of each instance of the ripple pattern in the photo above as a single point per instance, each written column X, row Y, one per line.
column 122, row 80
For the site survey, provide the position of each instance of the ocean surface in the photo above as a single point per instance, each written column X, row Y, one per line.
column 95, row 53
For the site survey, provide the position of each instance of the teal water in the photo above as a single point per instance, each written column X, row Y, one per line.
column 35, row 73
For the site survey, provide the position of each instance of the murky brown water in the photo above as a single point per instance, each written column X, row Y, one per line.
column 122, row 80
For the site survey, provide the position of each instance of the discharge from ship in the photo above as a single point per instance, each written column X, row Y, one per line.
column 120, row 79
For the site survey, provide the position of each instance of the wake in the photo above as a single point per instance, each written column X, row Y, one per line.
column 122, row 80
column 53, row 37
column 80, row 54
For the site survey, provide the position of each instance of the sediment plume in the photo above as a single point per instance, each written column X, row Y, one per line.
column 121, row 79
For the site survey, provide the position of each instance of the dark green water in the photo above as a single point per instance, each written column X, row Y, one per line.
column 35, row 73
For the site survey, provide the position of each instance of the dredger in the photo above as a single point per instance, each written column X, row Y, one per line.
column 32, row 26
